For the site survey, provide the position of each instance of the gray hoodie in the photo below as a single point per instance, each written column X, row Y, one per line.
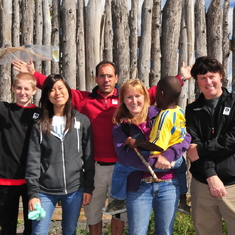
column 61, row 166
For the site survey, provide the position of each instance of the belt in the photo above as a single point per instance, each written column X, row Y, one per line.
column 106, row 163
column 150, row 179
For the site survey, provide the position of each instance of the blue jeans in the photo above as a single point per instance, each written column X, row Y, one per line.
column 71, row 206
column 121, row 172
column 162, row 197
column 181, row 176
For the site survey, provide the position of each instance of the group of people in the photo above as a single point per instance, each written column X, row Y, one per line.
column 68, row 150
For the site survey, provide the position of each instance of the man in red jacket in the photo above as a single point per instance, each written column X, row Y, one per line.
column 99, row 106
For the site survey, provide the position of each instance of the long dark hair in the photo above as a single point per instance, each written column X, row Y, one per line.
column 47, row 106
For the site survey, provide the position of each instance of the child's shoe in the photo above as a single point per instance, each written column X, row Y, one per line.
column 115, row 207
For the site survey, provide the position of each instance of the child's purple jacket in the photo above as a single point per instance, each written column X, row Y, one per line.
column 127, row 156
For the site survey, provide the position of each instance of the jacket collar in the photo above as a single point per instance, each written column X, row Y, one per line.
column 200, row 102
column 94, row 94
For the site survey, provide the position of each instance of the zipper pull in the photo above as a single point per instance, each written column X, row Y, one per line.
column 212, row 130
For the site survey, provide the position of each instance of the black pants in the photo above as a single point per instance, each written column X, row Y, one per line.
column 9, row 208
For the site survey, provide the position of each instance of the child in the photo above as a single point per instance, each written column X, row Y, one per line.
column 16, row 122
column 60, row 163
column 167, row 130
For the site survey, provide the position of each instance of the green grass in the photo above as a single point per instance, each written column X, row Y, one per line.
column 183, row 226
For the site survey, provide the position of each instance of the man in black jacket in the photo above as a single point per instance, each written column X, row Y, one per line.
column 211, row 122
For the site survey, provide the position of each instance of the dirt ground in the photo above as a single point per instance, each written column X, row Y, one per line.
column 55, row 227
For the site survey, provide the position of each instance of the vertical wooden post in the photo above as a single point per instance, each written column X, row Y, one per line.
column 108, row 32
column 133, row 24
column 38, row 41
column 214, row 30
column 155, row 70
column 55, row 33
column 69, row 44
column 225, row 43
column 171, row 18
column 190, row 38
column 145, row 42
column 183, row 54
column 122, row 39
column 5, row 41
column 80, row 41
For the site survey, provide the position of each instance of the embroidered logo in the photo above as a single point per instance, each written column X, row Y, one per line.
column 35, row 115
column 226, row 111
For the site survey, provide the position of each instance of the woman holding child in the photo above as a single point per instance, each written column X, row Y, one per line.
column 143, row 193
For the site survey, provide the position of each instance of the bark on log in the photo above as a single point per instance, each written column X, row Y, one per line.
column 38, row 41
column 122, row 39
column 46, row 40
column 68, row 23
column 94, row 12
column 15, row 28
column 155, row 70
column 5, row 41
column 171, row 18
column 214, row 30
column 108, row 32
column 145, row 42
column 201, row 34
column 225, row 43
column 27, row 22
column 190, row 37
column 133, row 22
column 55, row 33
column 233, row 50
column 183, row 55
column 81, row 61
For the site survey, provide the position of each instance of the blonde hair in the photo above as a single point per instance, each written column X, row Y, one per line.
column 26, row 77
column 122, row 113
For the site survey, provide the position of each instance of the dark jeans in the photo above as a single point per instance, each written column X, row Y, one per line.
column 9, row 208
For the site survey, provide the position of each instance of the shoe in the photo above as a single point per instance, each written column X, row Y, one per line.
column 184, row 208
column 115, row 207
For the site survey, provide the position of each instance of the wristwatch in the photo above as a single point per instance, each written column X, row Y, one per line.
column 182, row 78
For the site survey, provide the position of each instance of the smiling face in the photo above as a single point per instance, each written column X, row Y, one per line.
column 24, row 91
column 134, row 101
column 106, row 79
column 58, row 95
column 210, row 84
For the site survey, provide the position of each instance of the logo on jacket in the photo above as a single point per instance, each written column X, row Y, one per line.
column 226, row 111
column 35, row 115
column 77, row 125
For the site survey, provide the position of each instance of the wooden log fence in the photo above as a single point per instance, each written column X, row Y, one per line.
column 108, row 30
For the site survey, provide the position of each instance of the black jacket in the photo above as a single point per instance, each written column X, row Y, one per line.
column 15, row 127
column 215, row 138
column 61, row 166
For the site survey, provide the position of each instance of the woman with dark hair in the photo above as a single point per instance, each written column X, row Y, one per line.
column 60, row 163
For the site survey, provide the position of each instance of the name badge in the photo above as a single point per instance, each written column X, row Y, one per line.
column 77, row 125
column 114, row 101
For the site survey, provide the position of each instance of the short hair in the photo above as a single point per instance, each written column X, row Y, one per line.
column 24, row 76
column 171, row 87
column 105, row 62
column 122, row 112
column 207, row 64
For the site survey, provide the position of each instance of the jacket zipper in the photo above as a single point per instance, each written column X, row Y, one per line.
column 64, row 174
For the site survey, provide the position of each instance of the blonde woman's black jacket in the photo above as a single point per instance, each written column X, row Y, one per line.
column 61, row 166
column 215, row 138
